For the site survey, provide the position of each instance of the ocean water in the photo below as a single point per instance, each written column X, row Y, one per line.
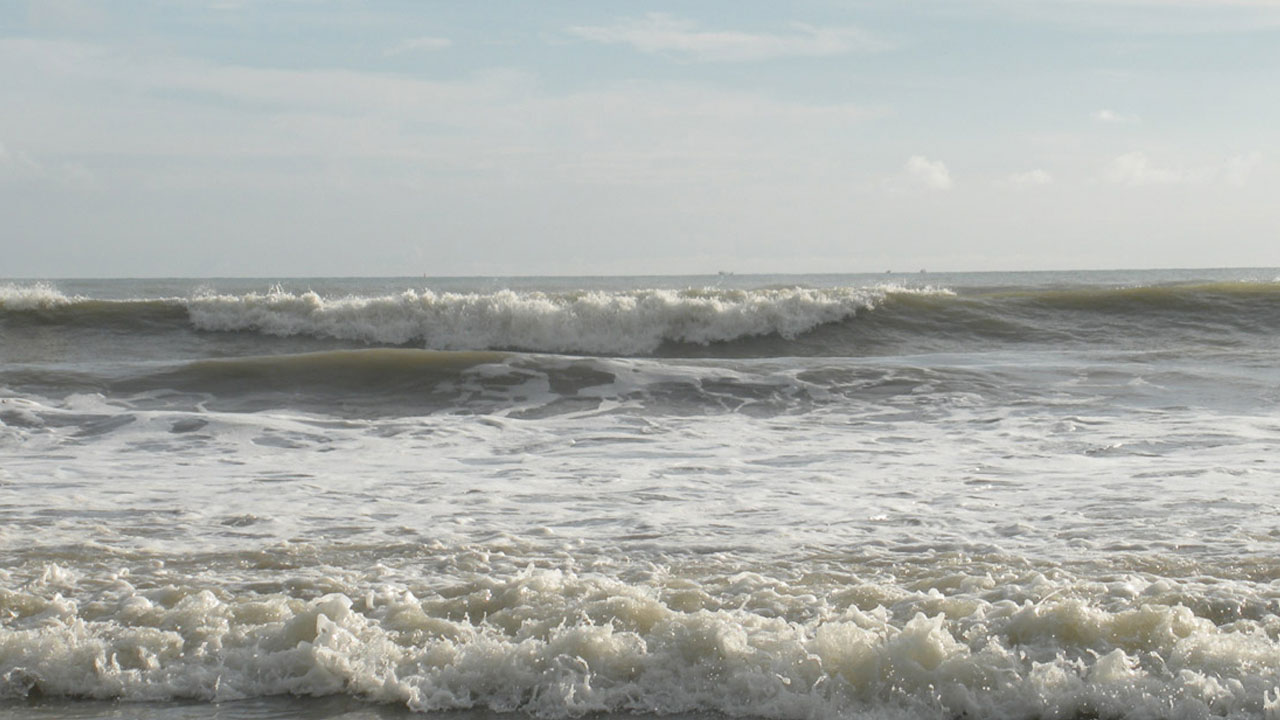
column 1002, row 495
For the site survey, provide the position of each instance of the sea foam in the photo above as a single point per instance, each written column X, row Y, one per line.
column 557, row 643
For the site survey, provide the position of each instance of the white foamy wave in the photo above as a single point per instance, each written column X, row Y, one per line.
column 36, row 296
column 558, row 644
column 624, row 322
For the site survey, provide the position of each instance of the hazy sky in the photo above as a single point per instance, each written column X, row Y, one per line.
column 287, row 137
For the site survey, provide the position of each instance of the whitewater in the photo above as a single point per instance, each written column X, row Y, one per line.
column 995, row 495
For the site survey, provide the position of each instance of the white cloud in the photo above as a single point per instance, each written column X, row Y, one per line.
column 1115, row 118
column 429, row 44
column 1135, row 169
column 922, row 171
column 662, row 33
column 1030, row 178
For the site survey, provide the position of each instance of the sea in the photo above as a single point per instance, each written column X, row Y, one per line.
column 906, row 496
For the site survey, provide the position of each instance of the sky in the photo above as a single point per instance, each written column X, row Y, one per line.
column 279, row 138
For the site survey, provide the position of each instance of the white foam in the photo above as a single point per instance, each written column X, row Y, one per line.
column 617, row 322
column 561, row 643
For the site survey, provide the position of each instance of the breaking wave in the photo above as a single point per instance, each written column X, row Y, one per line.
column 596, row 322
column 35, row 296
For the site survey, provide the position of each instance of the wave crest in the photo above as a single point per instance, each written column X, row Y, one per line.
column 36, row 296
